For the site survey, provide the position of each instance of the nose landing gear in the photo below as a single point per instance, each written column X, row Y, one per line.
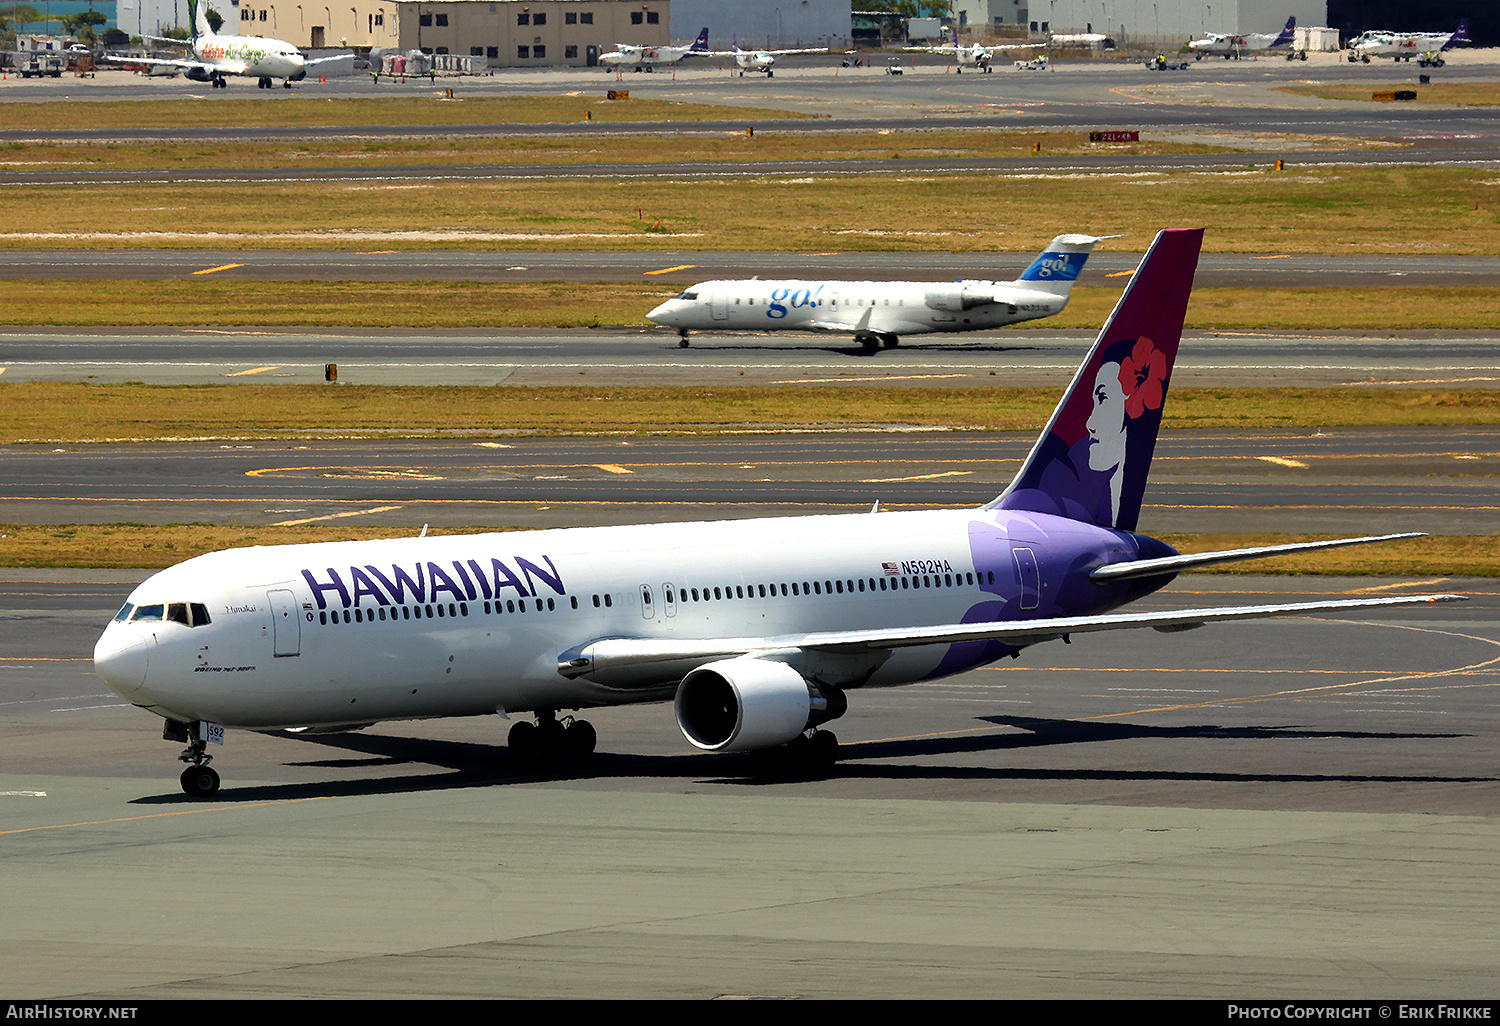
column 198, row 780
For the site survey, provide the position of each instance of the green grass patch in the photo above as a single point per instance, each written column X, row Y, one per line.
column 412, row 107
column 1451, row 210
column 224, row 302
column 586, row 148
column 157, row 546
column 1446, row 94
column 67, row 412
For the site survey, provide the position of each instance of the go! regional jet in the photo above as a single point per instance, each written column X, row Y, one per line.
column 757, row 631
column 879, row 312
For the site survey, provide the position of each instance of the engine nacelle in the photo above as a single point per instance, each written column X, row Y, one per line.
column 961, row 296
column 738, row 705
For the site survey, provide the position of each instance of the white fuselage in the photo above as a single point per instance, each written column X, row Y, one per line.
column 255, row 56
column 644, row 56
column 1398, row 44
column 754, row 60
column 355, row 632
column 874, row 307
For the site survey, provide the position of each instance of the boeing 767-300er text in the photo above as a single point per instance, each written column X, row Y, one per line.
column 756, row 630
column 880, row 312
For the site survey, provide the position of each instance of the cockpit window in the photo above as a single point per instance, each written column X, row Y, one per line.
column 189, row 614
column 689, row 294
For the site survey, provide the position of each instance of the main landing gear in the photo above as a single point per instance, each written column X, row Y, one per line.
column 810, row 754
column 551, row 740
column 682, row 339
column 874, row 340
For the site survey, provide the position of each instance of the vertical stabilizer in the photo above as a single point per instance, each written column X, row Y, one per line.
column 1091, row 461
column 1059, row 264
column 1287, row 34
column 701, row 43
column 1461, row 37
column 198, row 17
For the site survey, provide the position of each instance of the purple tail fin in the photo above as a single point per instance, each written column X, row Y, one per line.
column 701, row 43
column 1091, row 461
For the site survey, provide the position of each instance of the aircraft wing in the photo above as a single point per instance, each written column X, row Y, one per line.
column 310, row 61
column 168, row 61
column 614, row 653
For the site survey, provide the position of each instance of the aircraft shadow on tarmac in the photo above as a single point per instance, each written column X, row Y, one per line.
column 847, row 348
column 484, row 765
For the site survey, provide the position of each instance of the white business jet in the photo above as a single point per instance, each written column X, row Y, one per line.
column 649, row 58
column 215, row 56
column 1227, row 45
column 880, row 312
column 755, row 630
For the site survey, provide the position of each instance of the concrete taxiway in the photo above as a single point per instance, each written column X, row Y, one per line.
column 1303, row 807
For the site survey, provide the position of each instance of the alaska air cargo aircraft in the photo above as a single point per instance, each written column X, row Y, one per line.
column 758, row 631
column 215, row 56
column 880, row 312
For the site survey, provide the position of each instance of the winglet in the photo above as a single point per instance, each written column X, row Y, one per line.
column 1092, row 459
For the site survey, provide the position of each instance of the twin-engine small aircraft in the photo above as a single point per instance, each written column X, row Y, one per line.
column 649, row 58
column 1403, row 46
column 758, row 631
column 1227, row 45
column 215, row 56
column 879, row 312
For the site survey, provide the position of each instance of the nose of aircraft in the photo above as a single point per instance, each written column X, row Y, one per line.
column 121, row 659
column 664, row 314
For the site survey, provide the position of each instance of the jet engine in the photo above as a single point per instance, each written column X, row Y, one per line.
column 961, row 296
column 738, row 705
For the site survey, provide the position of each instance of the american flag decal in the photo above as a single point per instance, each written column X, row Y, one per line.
column 890, row 569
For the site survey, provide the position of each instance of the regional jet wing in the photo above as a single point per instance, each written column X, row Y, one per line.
column 614, row 653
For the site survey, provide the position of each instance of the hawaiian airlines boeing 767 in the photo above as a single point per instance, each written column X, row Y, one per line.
column 758, row 631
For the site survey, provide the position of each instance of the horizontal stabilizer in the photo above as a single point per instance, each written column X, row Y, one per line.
column 1191, row 561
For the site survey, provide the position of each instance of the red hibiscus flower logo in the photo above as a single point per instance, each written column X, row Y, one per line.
column 1143, row 377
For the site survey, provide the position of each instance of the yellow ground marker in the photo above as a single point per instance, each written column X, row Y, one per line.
column 221, row 267
column 252, row 370
column 669, row 270
column 335, row 516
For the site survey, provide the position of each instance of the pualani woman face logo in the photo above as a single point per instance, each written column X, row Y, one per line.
column 1123, row 390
